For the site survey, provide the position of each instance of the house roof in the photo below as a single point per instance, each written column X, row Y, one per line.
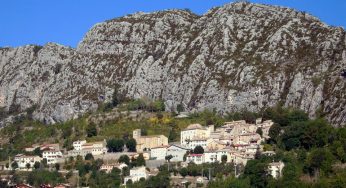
column 195, row 126
column 157, row 147
column 178, row 146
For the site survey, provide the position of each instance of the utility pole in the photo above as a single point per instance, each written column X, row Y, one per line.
column 168, row 166
column 78, row 179
column 235, row 170
column 209, row 174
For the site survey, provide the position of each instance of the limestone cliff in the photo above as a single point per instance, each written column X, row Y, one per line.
column 234, row 57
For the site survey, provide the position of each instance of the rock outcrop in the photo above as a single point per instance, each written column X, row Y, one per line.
column 234, row 57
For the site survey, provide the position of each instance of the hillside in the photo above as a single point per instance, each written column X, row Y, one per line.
column 238, row 56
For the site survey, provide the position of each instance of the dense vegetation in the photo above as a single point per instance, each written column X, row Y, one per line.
column 313, row 151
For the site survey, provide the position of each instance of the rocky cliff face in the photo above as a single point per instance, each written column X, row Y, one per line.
column 239, row 56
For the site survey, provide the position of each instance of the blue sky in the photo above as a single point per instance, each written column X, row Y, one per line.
column 66, row 21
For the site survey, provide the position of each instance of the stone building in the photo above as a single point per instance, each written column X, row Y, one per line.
column 148, row 142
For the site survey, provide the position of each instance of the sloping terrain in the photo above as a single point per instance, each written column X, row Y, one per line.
column 234, row 57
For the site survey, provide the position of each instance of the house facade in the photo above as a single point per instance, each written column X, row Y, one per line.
column 148, row 142
column 136, row 174
column 52, row 156
column 177, row 152
column 195, row 132
column 22, row 160
column 77, row 145
column 158, row 153
column 195, row 158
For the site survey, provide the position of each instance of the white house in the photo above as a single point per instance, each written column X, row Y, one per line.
column 22, row 160
column 52, row 156
column 82, row 148
column 177, row 152
column 275, row 169
column 210, row 156
column 77, row 145
column 194, row 132
column 197, row 142
column 223, row 152
column 158, row 153
column 195, row 158
column 136, row 174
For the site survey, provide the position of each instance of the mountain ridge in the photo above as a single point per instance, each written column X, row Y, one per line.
column 238, row 56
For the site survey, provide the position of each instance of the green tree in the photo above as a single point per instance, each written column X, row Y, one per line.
column 37, row 151
column 198, row 150
column 115, row 145
column 256, row 171
column 14, row 165
column 125, row 171
column 320, row 159
column 37, row 165
column 224, row 158
column 274, row 132
column 259, row 131
column 159, row 106
column 183, row 172
column 28, row 166
column 169, row 157
column 140, row 160
column 129, row 182
column 131, row 145
column 124, row 159
column 91, row 130
column 89, row 156
column 44, row 162
column 180, row 108
column 38, row 177
column 57, row 166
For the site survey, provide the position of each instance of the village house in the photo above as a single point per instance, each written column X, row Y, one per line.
column 221, row 153
column 210, row 156
column 136, row 174
column 177, row 152
column 77, row 145
column 195, row 158
column 22, row 160
column 197, row 142
column 95, row 148
column 275, row 169
column 195, row 133
column 158, row 153
column 213, row 144
column 53, row 156
column 148, row 142
column 109, row 167
column 82, row 148
column 42, row 147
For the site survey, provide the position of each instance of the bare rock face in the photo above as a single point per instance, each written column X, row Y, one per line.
column 235, row 57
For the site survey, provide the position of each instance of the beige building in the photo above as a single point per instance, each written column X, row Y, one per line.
column 195, row 133
column 148, row 142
